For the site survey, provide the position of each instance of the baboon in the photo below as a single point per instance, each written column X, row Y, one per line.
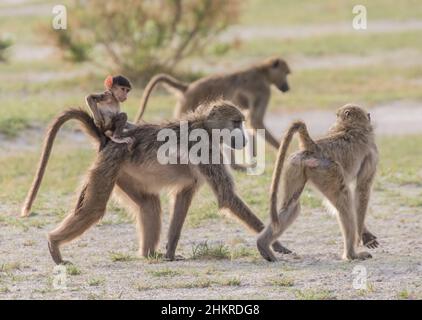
column 347, row 154
column 248, row 88
column 138, row 177
column 105, row 108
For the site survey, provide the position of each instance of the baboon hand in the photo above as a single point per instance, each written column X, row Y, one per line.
column 369, row 240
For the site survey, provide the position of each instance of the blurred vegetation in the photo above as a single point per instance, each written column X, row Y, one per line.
column 141, row 38
column 5, row 43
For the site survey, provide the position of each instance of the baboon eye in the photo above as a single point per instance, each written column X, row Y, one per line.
column 347, row 114
column 369, row 116
column 276, row 63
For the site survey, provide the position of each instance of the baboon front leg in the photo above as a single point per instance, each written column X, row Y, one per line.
column 222, row 185
column 364, row 182
column 181, row 203
column 332, row 184
column 91, row 204
column 256, row 120
column 286, row 217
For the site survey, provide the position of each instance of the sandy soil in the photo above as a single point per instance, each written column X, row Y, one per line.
column 313, row 271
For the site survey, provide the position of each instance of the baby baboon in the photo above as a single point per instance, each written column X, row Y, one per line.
column 347, row 154
column 139, row 178
column 249, row 89
column 105, row 108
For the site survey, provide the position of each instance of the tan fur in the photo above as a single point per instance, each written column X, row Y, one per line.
column 139, row 178
column 248, row 88
column 348, row 153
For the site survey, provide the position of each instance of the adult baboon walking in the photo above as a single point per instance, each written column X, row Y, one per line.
column 347, row 154
column 248, row 88
column 139, row 178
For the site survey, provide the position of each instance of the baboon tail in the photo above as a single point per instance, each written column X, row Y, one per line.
column 89, row 127
column 281, row 155
column 165, row 78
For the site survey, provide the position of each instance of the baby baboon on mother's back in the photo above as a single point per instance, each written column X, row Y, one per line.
column 347, row 154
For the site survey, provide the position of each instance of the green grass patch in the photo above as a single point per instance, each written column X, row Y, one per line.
column 120, row 257
column 165, row 272
column 288, row 12
column 213, row 252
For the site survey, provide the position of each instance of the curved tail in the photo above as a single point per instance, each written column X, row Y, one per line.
column 88, row 126
column 281, row 155
column 167, row 79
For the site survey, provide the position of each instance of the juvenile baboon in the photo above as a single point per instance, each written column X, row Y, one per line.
column 138, row 178
column 105, row 108
column 248, row 88
column 347, row 154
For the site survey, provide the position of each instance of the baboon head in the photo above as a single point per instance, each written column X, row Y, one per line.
column 277, row 72
column 223, row 115
column 353, row 116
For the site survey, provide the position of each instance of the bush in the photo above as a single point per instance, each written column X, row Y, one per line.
column 141, row 38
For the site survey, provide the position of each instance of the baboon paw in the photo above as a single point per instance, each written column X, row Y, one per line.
column 369, row 240
column 265, row 252
column 66, row 263
column 173, row 257
column 364, row 255
column 358, row 256
column 278, row 247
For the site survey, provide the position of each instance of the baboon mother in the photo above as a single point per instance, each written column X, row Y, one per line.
column 138, row 178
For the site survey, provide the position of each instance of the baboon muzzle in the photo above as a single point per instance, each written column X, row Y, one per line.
column 284, row 87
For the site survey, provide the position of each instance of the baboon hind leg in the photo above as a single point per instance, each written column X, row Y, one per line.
column 90, row 207
column 148, row 214
column 294, row 181
column 181, row 202
column 364, row 182
column 331, row 183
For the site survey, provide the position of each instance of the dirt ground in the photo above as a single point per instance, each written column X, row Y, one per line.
column 313, row 271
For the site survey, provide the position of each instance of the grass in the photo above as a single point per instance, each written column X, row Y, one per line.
column 121, row 257
column 166, row 272
column 10, row 267
column 213, row 252
column 282, row 282
column 311, row 294
column 72, row 270
column 358, row 43
column 290, row 12
column 95, row 282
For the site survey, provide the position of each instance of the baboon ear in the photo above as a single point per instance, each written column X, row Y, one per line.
column 276, row 63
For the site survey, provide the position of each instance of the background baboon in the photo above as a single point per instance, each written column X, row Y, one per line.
column 348, row 153
column 248, row 88
column 139, row 178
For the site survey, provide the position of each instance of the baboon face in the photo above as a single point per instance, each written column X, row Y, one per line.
column 226, row 116
column 278, row 71
column 351, row 114
column 120, row 92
